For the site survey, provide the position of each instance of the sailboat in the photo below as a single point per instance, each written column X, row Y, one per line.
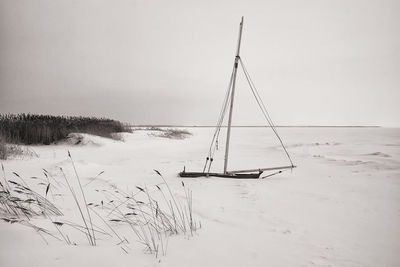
column 228, row 102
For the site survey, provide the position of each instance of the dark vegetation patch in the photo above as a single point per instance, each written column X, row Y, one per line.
column 169, row 133
column 31, row 129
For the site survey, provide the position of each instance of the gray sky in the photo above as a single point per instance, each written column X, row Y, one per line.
column 168, row 62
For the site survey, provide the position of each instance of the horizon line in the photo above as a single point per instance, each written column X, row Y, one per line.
column 259, row 126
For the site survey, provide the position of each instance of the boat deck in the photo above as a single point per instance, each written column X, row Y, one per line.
column 222, row 175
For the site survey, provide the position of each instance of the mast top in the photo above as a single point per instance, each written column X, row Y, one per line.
column 240, row 37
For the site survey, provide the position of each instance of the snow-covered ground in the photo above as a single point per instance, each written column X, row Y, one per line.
column 339, row 207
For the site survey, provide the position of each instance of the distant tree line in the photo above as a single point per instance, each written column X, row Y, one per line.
column 46, row 129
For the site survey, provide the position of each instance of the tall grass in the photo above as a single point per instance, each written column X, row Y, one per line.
column 46, row 129
column 153, row 214
column 18, row 200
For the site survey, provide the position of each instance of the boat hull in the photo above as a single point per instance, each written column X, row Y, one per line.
column 222, row 175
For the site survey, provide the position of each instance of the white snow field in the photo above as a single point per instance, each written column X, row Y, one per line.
column 339, row 207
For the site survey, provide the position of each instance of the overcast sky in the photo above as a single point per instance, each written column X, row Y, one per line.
column 168, row 62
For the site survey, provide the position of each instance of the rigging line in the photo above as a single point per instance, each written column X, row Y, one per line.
column 258, row 95
column 221, row 119
column 227, row 99
column 218, row 131
column 214, row 142
column 222, row 113
column 227, row 95
column 256, row 91
column 265, row 113
column 218, row 126
column 258, row 99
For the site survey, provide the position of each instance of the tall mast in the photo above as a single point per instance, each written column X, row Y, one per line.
column 228, row 135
